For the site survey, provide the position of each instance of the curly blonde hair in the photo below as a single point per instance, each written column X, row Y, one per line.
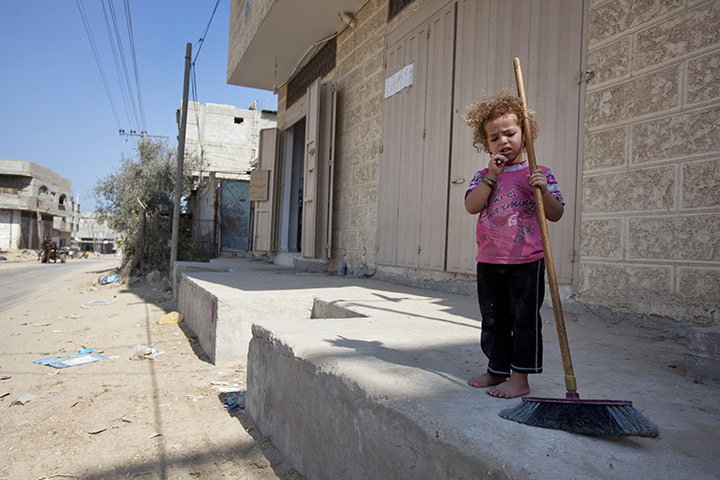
column 492, row 107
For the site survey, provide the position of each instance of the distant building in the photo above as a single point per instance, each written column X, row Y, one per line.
column 93, row 236
column 34, row 202
column 222, row 141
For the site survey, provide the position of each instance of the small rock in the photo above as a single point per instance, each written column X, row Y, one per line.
column 153, row 276
column 23, row 399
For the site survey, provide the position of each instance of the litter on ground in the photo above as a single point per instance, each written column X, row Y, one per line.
column 84, row 356
column 235, row 401
column 97, row 302
column 109, row 278
column 170, row 319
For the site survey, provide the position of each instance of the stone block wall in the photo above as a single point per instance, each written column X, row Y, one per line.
column 650, row 228
column 360, row 82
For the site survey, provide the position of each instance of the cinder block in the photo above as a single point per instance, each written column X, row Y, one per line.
column 611, row 62
column 605, row 149
column 702, row 75
column 643, row 189
column 601, row 238
column 676, row 137
column 679, row 35
column 624, row 286
column 700, row 283
column 613, row 18
column 652, row 93
column 701, row 183
column 684, row 237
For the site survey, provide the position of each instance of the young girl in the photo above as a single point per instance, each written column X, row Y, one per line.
column 510, row 259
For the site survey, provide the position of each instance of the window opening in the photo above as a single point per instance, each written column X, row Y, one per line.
column 397, row 6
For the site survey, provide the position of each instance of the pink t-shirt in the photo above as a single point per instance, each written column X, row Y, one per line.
column 507, row 228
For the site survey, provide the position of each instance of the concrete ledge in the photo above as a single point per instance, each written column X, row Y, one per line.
column 386, row 397
column 362, row 379
column 329, row 426
column 222, row 321
column 187, row 267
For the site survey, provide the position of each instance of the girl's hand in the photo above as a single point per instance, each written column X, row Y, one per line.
column 538, row 179
column 496, row 164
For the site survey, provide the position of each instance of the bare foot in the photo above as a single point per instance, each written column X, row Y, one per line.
column 485, row 380
column 516, row 386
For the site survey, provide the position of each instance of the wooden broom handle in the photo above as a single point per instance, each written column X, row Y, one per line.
column 570, row 382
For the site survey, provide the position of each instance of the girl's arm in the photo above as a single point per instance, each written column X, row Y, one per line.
column 553, row 209
column 475, row 200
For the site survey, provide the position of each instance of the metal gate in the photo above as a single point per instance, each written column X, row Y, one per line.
column 235, row 214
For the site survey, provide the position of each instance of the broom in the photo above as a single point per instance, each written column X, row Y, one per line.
column 614, row 418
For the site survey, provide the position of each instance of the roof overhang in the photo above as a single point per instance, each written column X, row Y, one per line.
column 269, row 43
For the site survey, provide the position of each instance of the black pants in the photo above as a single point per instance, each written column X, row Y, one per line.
column 510, row 297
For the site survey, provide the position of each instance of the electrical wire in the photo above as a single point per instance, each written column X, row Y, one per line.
column 113, row 48
column 93, row 46
column 316, row 46
column 131, row 38
column 202, row 37
column 193, row 84
column 128, row 85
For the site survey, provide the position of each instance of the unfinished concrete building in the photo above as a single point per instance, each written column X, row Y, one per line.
column 34, row 202
column 94, row 236
column 221, row 142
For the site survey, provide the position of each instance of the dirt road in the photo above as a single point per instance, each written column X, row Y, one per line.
column 127, row 415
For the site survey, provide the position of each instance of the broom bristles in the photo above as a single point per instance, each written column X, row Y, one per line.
column 591, row 418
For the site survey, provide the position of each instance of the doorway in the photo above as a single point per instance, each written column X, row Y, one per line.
column 292, row 188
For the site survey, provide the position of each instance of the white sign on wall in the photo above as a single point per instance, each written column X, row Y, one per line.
column 401, row 79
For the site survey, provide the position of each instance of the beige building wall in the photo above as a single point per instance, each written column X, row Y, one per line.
column 650, row 227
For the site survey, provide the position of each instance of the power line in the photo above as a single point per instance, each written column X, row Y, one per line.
column 197, row 117
column 202, row 37
column 123, row 90
column 97, row 60
column 124, row 63
column 194, row 86
column 131, row 38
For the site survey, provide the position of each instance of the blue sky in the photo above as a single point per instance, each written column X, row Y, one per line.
column 54, row 107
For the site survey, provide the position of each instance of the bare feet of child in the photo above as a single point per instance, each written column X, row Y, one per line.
column 517, row 385
column 485, row 380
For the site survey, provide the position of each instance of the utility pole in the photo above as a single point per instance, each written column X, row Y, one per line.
column 180, row 159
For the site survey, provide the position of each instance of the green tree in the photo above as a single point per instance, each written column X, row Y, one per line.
column 137, row 202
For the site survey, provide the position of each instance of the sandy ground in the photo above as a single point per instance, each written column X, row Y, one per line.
column 127, row 415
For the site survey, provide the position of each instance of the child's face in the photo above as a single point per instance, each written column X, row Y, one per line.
column 505, row 137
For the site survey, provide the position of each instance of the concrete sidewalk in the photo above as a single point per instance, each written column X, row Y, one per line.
column 364, row 379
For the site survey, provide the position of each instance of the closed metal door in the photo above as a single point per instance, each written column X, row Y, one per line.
column 547, row 37
column 416, row 122
column 235, row 209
